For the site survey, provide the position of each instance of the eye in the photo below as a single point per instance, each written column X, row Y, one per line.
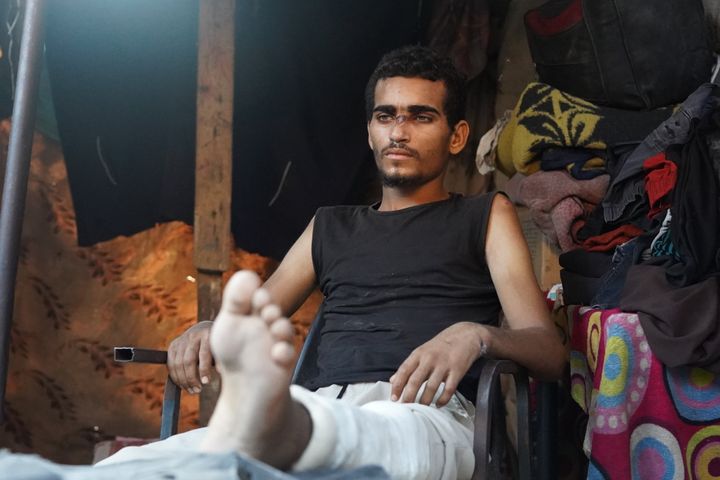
column 423, row 118
column 384, row 117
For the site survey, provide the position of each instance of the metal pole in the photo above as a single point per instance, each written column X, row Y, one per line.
column 12, row 206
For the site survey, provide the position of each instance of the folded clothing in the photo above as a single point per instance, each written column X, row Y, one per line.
column 557, row 202
column 578, row 162
column 588, row 264
column 542, row 191
column 636, row 215
column 609, row 240
column 596, row 278
column 546, row 117
column 578, row 289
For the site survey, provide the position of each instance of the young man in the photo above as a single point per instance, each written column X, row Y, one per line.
column 413, row 287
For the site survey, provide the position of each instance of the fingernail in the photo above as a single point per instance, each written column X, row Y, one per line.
column 198, row 389
column 204, row 380
column 394, row 398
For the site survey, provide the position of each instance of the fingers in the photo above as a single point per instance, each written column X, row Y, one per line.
column 189, row 363
column 189, row 358
column 431, row 387
column 176, row 366
column 418, row 369
column 414, row 383
column 449, row 389
column 205, row 360
column 172, row 363
column 400, row 378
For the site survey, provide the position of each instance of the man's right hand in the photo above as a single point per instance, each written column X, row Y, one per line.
column 189, row 358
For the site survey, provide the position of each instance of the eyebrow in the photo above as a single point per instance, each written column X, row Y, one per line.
column 385, row 109
column 413, row 109
column 416, row 109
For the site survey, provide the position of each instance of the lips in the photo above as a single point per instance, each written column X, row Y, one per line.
column 398, row 153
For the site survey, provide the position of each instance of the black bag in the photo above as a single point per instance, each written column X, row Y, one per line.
column 634, row 54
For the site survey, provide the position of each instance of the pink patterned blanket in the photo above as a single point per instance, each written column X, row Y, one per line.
column 646, row 421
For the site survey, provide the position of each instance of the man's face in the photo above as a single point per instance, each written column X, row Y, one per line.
column 409, row 132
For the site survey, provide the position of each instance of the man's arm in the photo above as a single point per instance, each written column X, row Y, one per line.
column 294, row 279
column 531, row 341
column 189, row 357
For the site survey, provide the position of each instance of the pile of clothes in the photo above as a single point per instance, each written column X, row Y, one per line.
column 616, row 153
column 632, row 201
column 564, row 150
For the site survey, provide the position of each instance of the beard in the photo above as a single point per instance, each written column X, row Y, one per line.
column 401, row 181
column 395, row 180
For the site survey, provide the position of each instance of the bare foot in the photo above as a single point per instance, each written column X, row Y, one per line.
column 253, row 351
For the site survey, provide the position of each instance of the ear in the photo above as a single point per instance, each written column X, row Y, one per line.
column 459, row 137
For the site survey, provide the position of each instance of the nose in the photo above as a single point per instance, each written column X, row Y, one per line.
column 399, row 133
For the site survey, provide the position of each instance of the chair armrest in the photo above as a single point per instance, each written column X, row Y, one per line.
column 139, row 355
column 488, row 435
column 171, row 397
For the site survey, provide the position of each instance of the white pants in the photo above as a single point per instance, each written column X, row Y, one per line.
column 409, row 440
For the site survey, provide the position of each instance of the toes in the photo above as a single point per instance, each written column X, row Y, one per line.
column 283, row 354
column 270, row 313
column 282, row 330
column 260, row 299
column 237, row 298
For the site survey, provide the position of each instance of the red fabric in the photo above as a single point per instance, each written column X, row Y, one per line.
column 659, row 182
column 571, row 16
column 609, row 240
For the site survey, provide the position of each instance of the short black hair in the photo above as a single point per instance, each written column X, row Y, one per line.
column 416, row 61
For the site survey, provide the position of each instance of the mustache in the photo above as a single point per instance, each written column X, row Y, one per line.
column 400, row 146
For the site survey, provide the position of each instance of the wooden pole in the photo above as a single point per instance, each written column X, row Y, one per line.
column 213, row 162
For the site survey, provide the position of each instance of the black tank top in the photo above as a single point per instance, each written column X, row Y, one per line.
column 393, row 280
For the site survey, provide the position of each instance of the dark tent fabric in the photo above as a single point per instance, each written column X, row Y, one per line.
column 123, row 77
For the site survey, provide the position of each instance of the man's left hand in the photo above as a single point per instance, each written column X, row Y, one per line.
column 445, row 358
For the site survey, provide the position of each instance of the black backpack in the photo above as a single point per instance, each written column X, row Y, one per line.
column 634, row 54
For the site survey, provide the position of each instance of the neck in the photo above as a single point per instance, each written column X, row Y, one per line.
column 396, row 198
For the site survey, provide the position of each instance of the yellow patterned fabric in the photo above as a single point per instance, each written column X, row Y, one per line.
column 546, row 117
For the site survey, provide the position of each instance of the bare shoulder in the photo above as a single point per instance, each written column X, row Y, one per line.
column 503, row 232
column 502, row 207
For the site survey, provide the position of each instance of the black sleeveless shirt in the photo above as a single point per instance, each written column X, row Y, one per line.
column 393, row 280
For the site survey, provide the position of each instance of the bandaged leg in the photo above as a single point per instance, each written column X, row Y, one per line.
column 410, row 441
